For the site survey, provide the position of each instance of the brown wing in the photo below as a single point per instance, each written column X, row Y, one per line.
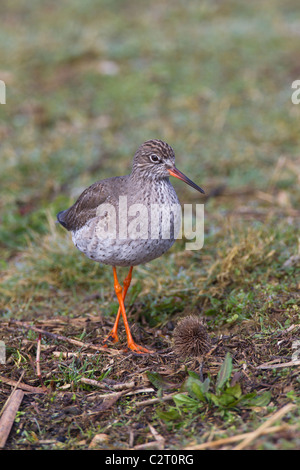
column 84, row 208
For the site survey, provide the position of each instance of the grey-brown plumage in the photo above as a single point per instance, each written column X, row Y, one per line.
column 85, row 208
column 110, row 189
column 129, row 220
column 148, row 184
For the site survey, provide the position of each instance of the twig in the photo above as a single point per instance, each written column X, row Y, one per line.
column 159, row 439
column 16, row 385
column 25, row 387
column 65, row 339
column 38, row 366
column 151, row 401
column 125, row 393
column 96, row 383
column 37, row 360
column 69, row 355
column 267, row 424
column 269, row 365
column 9, row 414
column 239, row 437
column 148, row 445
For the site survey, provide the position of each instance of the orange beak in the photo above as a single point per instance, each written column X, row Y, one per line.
column 175, row 172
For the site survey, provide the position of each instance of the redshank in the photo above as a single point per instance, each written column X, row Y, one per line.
column 109, row 224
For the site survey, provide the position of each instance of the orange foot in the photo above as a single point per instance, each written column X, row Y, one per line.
column 112, row 337
column 138, row 349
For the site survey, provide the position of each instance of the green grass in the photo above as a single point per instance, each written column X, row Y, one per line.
column 87, row 83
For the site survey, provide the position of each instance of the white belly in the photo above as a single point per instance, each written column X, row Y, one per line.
column 141, row 240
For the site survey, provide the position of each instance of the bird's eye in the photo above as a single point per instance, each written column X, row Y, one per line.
column 154, row 158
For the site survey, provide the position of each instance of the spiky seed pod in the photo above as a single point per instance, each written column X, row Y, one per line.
column 190, row 337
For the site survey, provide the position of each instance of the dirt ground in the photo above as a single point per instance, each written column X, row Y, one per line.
column 65, row 408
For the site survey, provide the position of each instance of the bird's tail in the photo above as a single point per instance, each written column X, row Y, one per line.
column 60, row 218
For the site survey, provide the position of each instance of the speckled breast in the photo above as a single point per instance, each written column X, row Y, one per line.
column 132, row 231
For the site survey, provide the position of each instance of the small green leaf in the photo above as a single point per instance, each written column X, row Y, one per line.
column 224, row 372
column 197, row 392
column 234, row 391
column 257, row 400
column 205, row 385
column 171, row 415
column 185, row 402
column 182, row 399
column 157, row 380
column 212, row 398
column 193, row 374
column 196, row 388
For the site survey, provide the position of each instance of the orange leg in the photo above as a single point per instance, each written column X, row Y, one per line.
column 113, row 335
column 131, row 344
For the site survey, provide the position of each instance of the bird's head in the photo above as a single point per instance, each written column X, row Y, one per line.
column 155, row 159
